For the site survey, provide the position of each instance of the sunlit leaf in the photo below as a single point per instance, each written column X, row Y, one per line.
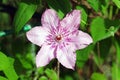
column 94, row 4
column 43, row 78
column 98, row 76
column 23, row 14
column 115, row 72
column 3, row 78
column 117, row 2
column 7, row 67
column 117, row 45
column 4, row 62
column 98, row 29
column 102, row 29
column 115, row 65
column 40, row 70
column 51, row 74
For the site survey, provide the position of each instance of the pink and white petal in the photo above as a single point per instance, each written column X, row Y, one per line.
column 50, row 19
column 72, row 20
column 45, row 55
column 66, row 57
column 37, row 35
column 83, row 40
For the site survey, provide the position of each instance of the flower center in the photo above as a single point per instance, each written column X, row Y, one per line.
column 58, row 38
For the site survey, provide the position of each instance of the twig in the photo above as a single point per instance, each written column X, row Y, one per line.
column 58, row 70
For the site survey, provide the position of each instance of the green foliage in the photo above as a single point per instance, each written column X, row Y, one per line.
column 103, row 52
column 82, row 55
column 100, row 29
column 117, row 2
column 117, row 45
column 98, row 76
column 3, row 78
column 40, row 70
column 23, row 14
column 104, row 6
column 94, row 4
column 25, row 63
column 3, row 1
column 83, row 17
column 115, row 72
column 61, row 6
column 68, row 77
column 51, row 74
column 43, row 78
column 115, row 65
column 7, row 67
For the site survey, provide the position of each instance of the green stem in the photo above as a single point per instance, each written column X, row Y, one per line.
column 82, row 21
column 9, row 32
column 58, row 70
column 99, row 57
column 111, row 12
column 98, row 51
column 117, row 63
column 117, row 10
column 117, row 57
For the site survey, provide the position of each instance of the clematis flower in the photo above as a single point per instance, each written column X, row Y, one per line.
column 58, row 38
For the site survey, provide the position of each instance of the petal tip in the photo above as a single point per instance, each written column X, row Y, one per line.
column 90, row 39
column 71, row 67
column 37, row 66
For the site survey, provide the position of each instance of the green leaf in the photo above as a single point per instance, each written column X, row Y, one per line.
column 25, row 54
column 117, row 2
column 98, row 29
column 115, row 72
column 67, row 77
column 104, row 47
column 7, row 67
column 40, row 70
column 51, row 74
column 101, row 51
column 82, row 55
column 83, row 16
column 3, row 78
column 25, row 63
column 117, row 45
column 94, row 4
column 115, row 65
column 32, row 1
column 104, row 6
column 102, row 29
column 43, row 78
column 23, row 14
column 98, row 61
column 4, row 1
column 4, row 62
column 98, row 76
column 61, row 6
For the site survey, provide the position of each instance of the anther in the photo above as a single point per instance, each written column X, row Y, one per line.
column 58, row 37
